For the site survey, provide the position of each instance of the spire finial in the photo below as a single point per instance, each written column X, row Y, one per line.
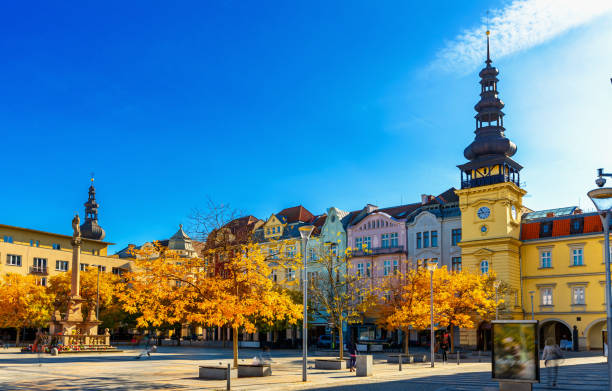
column 488, row 62
column 92, row 178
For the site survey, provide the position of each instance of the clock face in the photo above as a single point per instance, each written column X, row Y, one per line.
column 483, row 212
column 483, row 229
column 513, row 211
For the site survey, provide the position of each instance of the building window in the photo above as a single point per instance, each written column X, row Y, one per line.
column 385, row 240
column 368, row 270
column 333, row 249
column 455, row 236
column 434, row 238
column 577, row 226
column 103, row 268
column 274, row 275
column 13, row 260
column 456, row 264
column 418, row 240
column 41, row 281
column 484, row 267
column 577, row 259
column 83, row 266
column 368, row 242
column 290, row 273
column 578, row 295
column 56, row 246
column 8, row 239
column 291, row 252
column 395, row 267
column 117, row 271
column 387, row 268
column 311, row 254
column 39, row 265
column 61, row 266
column 425, row 239
column 393, row 240
column 360, row 269
column 359, row 244
column 546, row 296
column 545, row 259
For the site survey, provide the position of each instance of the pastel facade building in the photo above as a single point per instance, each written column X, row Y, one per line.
column 434, row 231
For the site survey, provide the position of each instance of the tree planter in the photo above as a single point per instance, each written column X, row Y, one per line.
column 216, row 373
column 254, row 370
column 365, row 365
column 331, row 363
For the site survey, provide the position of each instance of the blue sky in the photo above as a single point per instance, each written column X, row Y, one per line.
column 272, row 104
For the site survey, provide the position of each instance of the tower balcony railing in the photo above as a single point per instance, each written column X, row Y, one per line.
column 377, row 251
column 487, row 180
column 38, row 270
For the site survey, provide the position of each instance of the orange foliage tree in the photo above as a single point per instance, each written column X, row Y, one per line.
column 23, row 303
column 459, row 299
column 167, row 288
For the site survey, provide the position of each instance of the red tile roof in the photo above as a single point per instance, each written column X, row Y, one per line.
column 297, row 213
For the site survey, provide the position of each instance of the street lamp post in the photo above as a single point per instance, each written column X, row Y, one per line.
column 305, row 232
column 496, row 285
column 531, row 293
column 602, row 198
column 431, row 266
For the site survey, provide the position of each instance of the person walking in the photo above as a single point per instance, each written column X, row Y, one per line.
column 444, row 347
column 352, row 351
column 552, row 356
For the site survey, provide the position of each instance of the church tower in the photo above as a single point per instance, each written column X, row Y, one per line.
column 490, row 198
column 90, row 229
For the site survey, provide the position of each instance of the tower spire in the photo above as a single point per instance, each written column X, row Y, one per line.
column 488, row 62
column 90, row 228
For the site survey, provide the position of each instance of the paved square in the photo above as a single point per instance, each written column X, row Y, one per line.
column 176, row 368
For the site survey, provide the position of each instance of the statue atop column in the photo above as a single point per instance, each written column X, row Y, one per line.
column 76, row 226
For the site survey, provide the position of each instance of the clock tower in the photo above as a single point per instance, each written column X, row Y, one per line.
column 490, row 198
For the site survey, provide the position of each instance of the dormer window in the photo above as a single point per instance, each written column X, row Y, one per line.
column 546, row 229
column 577, row 225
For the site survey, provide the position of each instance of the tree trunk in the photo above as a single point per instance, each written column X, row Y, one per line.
column 452, row 338
column 406, row 341
column 17, row 337
column 178, row 336
column 235, row 347
column 341, row 342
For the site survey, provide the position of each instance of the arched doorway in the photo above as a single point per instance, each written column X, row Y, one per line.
column 556, row 330
column 483, row 336
column 595, row 338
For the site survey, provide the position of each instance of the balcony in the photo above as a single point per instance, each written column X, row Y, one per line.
column 38, row 270
column 377, row 251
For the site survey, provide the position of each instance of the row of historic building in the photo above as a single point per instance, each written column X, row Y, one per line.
column 551, row 259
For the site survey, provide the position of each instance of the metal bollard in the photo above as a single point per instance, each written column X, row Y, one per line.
column 458, row 354
column 229, row 377
column 400, row 362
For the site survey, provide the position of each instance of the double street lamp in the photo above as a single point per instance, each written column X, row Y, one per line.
column 305, row 232
column 431, row 266
column 602, row 198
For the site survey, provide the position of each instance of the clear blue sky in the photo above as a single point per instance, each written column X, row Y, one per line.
column 266, row 105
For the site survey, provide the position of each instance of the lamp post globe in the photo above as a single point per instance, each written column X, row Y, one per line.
column 305, row 232
column 602, row 199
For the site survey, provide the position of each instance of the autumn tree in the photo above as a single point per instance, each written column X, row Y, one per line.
column 23, row 303
column 109, row 286
column 335, row 290
column 460, row 298
column 404, row 302
column 228, row 284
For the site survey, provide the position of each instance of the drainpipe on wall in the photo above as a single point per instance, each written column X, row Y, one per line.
column 521, row 281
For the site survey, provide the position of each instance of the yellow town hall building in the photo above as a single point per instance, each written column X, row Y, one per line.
column 43, row 254
column 553, row 260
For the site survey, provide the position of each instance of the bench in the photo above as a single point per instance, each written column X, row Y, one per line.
column 216, row 373
column 406, row 358
column 330, row 363
column 254, row 370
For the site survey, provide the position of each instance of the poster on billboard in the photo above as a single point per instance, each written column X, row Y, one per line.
column 515, row 351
